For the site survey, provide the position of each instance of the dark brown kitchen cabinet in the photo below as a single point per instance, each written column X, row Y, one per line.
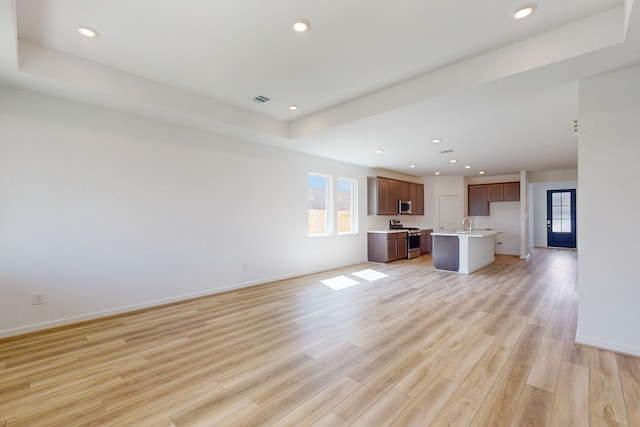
column 386, row 247
column 383, row 195
column 413, row 196
column 480, row 195
column 426, row 241
column 378, row 196
column 402, row 245
column 495, row 192
column 392, row 198
column 511, row 191
column 420, row 201
column 478, row 204
column 403, row 190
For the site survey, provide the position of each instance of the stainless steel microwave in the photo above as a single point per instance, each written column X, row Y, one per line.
column 404, row 206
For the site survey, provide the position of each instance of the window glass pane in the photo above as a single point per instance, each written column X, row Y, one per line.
column 566, row 226
column 566, row 212
column 347, row 197
column 556, row 226
column 557, row 212
column 318, row 199
column 566, row 199
column 556, row 199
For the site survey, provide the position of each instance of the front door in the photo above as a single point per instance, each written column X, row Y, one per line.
column 561, row 218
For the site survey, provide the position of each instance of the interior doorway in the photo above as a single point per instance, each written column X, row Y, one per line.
column 561, row 218
column 450, row 217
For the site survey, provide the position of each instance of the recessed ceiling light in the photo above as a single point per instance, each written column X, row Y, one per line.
column 523, row 12
column 437, row 173
column 301, row 25
column 412, row 166
column 293, row 107
column 481, row 173
column 88, row 32
column 437, row 141
column 379, row 151
column 452, row 161
column 467, row 167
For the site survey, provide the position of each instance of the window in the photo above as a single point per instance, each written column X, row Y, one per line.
column 347, row 204
column 319, row 197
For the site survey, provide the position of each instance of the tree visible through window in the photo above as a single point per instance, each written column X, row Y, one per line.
column 319, row 203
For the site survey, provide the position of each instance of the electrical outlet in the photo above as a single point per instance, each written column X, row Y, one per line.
column 37, row 298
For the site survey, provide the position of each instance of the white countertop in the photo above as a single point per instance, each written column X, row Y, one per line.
column 394, row 231
column 466, row 234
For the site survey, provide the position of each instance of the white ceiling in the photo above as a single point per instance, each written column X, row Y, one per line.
column 369, row 75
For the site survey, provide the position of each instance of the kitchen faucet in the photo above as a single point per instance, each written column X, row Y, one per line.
column 463, row 223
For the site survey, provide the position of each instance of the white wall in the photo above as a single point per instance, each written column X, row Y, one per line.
column 504, row 216
column 103, row 212
column 608, row 207
column 539, row 208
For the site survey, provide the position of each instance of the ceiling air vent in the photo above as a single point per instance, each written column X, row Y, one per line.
column 261, row 99
column 446, row 151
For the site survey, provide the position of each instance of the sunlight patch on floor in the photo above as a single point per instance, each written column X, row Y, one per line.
column 370, row 275
column 339, row 282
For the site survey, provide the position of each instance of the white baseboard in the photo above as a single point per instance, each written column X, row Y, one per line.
column 606, row 345
column 125, row 309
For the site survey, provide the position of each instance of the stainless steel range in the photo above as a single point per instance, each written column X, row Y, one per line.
column 413, row 237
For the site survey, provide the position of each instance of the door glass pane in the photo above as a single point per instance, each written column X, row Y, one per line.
column 561, row 212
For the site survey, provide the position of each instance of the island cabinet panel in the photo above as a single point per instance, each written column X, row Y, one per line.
column 446, row 253
column 386, row 247
column 495, row 192
column 425, row 241
column 511, row 191
column 478, row 204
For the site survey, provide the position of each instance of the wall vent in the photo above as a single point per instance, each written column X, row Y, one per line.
column 446, row 151
column 575, row 128
column 261, row 99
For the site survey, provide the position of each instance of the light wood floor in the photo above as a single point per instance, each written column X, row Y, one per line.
column 417, row 348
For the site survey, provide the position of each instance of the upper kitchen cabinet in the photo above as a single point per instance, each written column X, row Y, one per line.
column 403, row 190
column 495, row 192
column 392, row 199
column 512, row 191
column 478, row 204
column 383, row 195
column 480, row 195
column 420, row 208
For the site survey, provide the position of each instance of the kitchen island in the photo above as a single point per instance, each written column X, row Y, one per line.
column 463, row 251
